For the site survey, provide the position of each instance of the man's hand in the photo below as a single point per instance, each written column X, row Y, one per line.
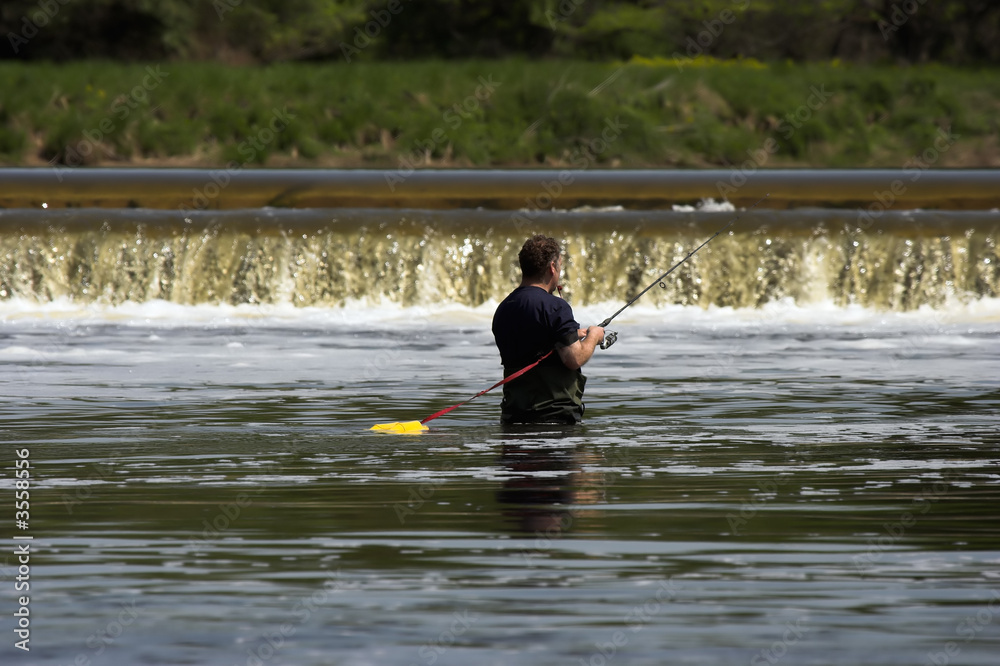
column 578, row 353
column 582, row 333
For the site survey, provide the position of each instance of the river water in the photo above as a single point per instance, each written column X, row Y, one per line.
column 799, row 481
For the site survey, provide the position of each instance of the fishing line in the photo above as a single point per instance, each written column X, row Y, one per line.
column 610, row 337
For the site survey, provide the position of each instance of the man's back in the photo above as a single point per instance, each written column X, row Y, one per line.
column 529, row 323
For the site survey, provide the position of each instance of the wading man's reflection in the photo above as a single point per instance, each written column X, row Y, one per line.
column 547, row 488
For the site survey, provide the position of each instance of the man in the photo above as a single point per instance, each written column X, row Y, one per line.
column 531, row 322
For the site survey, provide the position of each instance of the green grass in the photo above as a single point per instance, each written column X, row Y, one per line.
column 553, row 113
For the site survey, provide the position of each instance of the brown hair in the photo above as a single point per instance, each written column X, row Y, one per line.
column 536, row 254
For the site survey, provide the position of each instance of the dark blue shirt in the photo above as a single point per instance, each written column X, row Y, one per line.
column 529, row 323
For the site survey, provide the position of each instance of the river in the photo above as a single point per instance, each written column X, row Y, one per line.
column 791, row 455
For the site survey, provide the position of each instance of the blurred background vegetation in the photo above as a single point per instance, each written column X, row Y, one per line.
column 376, row 82
column 266, row 31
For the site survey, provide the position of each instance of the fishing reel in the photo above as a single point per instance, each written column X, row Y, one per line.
column 609, row 339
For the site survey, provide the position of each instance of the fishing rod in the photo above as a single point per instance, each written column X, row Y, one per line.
column 611, row 337
column 409, row 427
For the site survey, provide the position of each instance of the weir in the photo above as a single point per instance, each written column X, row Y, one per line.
column 332, row 258
column 914, row 186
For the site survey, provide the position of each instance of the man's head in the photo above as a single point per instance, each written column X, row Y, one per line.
column 537, row 255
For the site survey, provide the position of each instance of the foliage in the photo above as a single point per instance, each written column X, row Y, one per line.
column 265, row 31
column 511, row 112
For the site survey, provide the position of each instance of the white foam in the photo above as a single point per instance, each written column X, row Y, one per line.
column 706, row 206
column 53, row 352
column 18, row 353
column 66, row 315
column 927, row 320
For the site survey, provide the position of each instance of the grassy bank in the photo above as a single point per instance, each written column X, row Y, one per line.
column 498, row 113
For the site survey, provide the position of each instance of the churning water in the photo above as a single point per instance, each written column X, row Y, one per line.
column 330, row 258
column 790, row 456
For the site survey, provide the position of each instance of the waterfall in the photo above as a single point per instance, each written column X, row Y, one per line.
column 329, row 257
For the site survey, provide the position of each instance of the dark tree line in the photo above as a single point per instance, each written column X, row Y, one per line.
column 963, row 32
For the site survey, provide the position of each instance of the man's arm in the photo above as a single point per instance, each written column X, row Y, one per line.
column 578, row 353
